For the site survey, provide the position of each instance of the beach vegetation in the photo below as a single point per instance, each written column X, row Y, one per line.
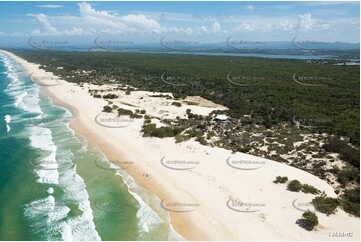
column 110, row 96
column 125, row 112
column 135, row 115
column 350, row 201
column 181, row 138
column 281, row 179
column 324, row 204
column 107, row 109
column 310, row 189
column 177, row 104
column 150, row 130
column 294, row 186
column 309, row 220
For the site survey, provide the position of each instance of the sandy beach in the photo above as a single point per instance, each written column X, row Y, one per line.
column 210, row 193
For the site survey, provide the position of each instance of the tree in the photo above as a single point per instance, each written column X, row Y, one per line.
column 309, row 220
column 281, row 179
column 294, row 186
column 107, row 109
column 325, row 204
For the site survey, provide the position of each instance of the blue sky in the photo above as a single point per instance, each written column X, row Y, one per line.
column 203, row 21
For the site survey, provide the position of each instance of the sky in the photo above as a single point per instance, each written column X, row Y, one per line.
column 208, row 22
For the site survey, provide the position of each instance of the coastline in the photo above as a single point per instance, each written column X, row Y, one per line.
column 211, row 184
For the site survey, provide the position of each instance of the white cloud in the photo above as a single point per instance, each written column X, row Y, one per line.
column 87, row 10
column 42, row 20
column 50, row 6
column 141, row 21
column 305, row 22
column 250, row 7
column 92, row 21
column 244, row 27
column 284, row 26
column 216, row 27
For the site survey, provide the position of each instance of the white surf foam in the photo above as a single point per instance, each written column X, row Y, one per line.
column 41, row 138
column 57, row 223
column 7, row 119
column 147, row 218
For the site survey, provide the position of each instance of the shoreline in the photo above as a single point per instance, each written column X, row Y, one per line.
column 211, row 184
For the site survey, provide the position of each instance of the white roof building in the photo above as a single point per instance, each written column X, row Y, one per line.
column 221, row 117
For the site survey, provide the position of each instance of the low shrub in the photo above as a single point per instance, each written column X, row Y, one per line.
column 327, row 205
column 310, row 189
column 107, row 109
column 310, row 220
column 294, row 186
column 281, row 179
column 122, row 111
column 177, row 104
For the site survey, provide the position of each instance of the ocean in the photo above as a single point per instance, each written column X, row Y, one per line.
column 56, row 186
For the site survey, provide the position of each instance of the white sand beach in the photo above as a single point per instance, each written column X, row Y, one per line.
column 200, row 193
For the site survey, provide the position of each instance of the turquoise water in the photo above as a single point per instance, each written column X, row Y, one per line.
column 51, row 187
